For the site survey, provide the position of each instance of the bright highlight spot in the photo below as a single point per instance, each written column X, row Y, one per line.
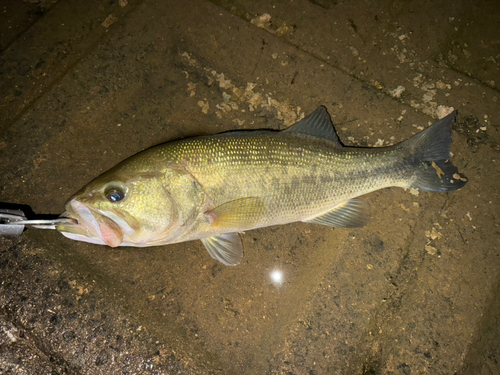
column 277, row 276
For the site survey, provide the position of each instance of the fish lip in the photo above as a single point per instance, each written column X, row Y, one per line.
column 76, row 209
column 90, row 224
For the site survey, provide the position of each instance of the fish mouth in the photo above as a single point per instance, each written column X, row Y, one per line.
column 92, row 226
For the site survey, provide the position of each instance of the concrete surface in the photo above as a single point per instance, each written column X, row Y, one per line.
column 86, row 84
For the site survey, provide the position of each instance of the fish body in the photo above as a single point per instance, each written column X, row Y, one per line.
column 212, row 187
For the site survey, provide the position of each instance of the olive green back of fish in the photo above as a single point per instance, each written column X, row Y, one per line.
column 246, row 180
column 228, row 183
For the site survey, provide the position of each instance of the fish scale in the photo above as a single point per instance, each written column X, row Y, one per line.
column 296, row 181
column 212, row 187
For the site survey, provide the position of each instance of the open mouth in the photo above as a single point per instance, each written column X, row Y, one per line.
column 92, row 227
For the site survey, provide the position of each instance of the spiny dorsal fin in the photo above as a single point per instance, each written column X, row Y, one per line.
column 226, row 248
column 353, row 213
column 317, row 124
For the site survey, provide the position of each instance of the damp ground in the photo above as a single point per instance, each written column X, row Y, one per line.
column 86, row 84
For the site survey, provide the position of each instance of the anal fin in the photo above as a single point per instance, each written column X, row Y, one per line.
column 353, row 213
column 226, row 248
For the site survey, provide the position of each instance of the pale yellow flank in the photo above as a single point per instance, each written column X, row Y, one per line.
column 213, row 187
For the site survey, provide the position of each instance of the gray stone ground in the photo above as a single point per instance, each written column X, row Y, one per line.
column 86, row 84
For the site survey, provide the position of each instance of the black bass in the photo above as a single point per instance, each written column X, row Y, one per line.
column 212, row 187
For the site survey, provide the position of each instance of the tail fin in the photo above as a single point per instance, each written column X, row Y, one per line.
column 431, row 151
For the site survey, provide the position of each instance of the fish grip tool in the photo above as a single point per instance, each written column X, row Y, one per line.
column 13, row 222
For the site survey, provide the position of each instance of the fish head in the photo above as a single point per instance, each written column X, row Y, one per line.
column 120, row 208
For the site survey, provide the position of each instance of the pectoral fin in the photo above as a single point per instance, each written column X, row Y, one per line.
column 226, row 248
column 353, row 213
column 240, row 214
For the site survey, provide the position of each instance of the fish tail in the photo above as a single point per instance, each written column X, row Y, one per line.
column 430, row 153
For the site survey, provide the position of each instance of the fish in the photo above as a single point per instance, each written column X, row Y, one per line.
column 211, row 188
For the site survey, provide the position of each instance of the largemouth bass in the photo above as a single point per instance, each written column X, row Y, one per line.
column 212, row 187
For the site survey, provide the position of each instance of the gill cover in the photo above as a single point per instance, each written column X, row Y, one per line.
column 120, row 208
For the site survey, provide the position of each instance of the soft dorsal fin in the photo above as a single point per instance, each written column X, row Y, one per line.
column 317, row 124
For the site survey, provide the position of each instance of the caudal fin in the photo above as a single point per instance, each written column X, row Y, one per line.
column 431, row 152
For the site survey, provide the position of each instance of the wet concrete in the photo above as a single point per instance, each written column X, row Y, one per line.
column 85, row 86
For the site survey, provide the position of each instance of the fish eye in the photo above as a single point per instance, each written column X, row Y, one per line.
column 114, row 195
